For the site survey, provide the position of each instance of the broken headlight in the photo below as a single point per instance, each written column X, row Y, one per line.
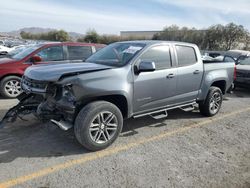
column 68, row 93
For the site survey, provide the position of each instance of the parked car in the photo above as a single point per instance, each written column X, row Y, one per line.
column 238, row 55
column 12, row 68
column 4, row 50
column 123, row 80
column 243, row 73
column 2, row 43
column 14, row 52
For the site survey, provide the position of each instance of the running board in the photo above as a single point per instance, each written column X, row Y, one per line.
column 187, row 108
column 158, row 114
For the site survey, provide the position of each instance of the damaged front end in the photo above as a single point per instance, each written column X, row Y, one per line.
column 47, row 101
column 27, row 105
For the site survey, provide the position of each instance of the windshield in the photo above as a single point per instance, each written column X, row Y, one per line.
column 245, row 61
column 26, row 52
column 117, row 54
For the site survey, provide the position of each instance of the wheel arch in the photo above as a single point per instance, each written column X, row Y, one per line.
column 222, row 84
column 117, row 99
column 12, row 74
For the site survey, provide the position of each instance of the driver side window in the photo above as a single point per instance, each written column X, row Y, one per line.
column 160, row 55
column 54, row 53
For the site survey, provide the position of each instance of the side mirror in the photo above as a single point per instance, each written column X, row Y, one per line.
column 36, row 59
column 146, row 66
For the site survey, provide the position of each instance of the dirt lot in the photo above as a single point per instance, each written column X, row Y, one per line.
column 184, row 150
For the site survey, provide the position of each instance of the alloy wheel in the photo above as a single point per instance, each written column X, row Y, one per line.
column 103, row 127
column 13, row 88
column 215, row 102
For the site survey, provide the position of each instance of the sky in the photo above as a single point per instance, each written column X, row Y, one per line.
column 113, row 16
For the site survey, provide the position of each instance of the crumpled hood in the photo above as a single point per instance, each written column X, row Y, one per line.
column 53, row 72
column 7, row 60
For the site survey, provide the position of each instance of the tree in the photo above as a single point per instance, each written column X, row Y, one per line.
column 232, row 34
column 246, row 41
column 60, row 35
column 216, row 37
column 184, row 34
column 25, row 35
column 82, row 39
column 92, row 36
column 219, row 37
column 108, row 39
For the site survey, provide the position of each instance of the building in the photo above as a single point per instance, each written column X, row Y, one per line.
column 138, row 34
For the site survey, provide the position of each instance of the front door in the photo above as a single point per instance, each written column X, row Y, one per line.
column 155, row 89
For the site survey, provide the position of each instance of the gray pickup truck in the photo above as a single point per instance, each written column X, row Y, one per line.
column 123, row 80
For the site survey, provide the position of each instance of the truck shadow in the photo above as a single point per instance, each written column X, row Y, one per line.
column 1, row 97
column 240, row 93
column 130, row 125
column 33, row 139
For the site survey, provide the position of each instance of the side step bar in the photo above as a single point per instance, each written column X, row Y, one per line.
column 187, row 108
column 158, row 114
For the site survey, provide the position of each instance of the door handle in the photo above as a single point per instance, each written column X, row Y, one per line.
column 170, row 76
column 196, row 72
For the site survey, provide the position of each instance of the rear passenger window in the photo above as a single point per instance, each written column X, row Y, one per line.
column 160, row 55
column 79, row 52
column 186, row 55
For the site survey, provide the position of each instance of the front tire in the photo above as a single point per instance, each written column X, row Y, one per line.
column 10, row 87
column 212, row 104
column 98, row 125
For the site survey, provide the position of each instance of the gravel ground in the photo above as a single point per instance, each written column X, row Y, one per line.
column 194, row 152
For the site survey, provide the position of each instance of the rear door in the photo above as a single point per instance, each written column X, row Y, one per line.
column 155, row 89
column 190, row 73
column 79, row 53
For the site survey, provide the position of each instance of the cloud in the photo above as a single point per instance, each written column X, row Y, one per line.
column 224, row 6
column 67, row 15
column 209, row 12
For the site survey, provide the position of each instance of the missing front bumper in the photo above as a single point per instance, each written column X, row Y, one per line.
column 27, row 105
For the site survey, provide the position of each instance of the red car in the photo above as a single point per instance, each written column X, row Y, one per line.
column 12, row 69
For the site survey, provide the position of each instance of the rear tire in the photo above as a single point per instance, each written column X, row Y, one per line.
column 212, row 104
column 10, row 86
column 98, row 125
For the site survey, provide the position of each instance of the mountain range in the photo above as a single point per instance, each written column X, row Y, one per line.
column 37, row 30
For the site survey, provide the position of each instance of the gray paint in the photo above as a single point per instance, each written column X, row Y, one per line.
column 146, row 91
column 53, row 72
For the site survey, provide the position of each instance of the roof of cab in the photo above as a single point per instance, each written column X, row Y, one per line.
column 152, row 42
column 71, row 43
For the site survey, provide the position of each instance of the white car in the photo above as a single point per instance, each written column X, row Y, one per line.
column 5, row 50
